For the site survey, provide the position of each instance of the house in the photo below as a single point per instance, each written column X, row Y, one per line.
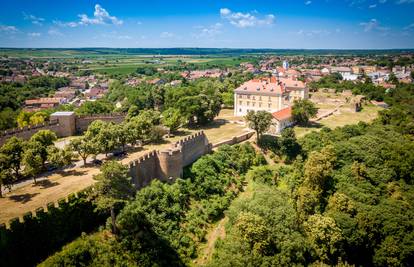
column 325, row 71
column 95, row 93
column 156, row 81
column 350, row 77
column 37, row 104
column 341, row 70
column 281, row 120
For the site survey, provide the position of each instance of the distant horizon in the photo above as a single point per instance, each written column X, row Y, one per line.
column 194, row 47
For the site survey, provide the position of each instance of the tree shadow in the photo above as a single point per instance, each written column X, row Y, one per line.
column 312, row 124
column 45, row 184
column 182, row 132
column 23, row 198
column 72, row 172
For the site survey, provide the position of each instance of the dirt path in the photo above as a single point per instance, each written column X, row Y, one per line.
column 218, row 230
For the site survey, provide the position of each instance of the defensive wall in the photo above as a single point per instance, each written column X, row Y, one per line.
column 29, row 239
column 63, row 124
column 168, row 164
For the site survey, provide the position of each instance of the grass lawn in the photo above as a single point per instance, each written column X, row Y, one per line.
column 367, row 114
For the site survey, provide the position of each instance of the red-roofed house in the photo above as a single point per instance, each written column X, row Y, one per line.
column 281, row 119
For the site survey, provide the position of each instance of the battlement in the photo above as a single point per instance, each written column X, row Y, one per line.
column 190, row 139
column 46, row 208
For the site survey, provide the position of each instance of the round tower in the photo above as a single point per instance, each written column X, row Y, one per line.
column 171, row 164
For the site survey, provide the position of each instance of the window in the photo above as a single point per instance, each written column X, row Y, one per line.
column 269, row 105
column 239, row 109
column 253, row 103
column 260, row 105
column 248, row 103
column 254, row 98
column 260, row 98
column 240, row 103
column 270, row 98
column 248, row 96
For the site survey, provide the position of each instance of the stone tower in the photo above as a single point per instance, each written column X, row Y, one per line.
column 67, row 122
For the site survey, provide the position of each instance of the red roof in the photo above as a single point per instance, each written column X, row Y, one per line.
column 283, row 114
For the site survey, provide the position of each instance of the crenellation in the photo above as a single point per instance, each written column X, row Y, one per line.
column 27, row 216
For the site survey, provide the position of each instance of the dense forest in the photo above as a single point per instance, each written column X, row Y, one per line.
column 336, row 197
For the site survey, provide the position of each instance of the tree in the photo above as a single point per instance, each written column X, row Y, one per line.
column 288, row 144
column 40, row 142
column 259, row 121
column 23, row 119
column 32, row 160
column 13, row 149
column 83, row 147
column 38, row 118
column 319, row 167
column 5, row 172
column 252, row 229
column 59, row 157
column 114, row 186
column 325, row 236
column 392, row 78
column 303, row 110
column 172, row 119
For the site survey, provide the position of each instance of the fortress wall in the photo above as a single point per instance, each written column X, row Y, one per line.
column 82, row 122
column 235, row 140
column 144, row 169
column 193, row 147
column 27, row 131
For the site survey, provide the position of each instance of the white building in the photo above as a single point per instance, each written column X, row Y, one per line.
column 269, row 94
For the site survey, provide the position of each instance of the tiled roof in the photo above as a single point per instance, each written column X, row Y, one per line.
column 265, row 85
column 283, row 114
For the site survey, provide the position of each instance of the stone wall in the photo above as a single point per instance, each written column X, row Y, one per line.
column 82, row 122
column 235, row 140
column 27, row 131
column 168, row 164
column 62, row 125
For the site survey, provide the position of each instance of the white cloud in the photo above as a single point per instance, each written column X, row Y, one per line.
column 100, row 16
column 8, row 29
column 313, row 33
column 167, row 35
column 35, row 20
column 54, row 32
column 372, row 6
column 244, row 20
column 65, row 24
column 373, row 25
column 34, row 34
column 209, row 31
column 308, row 3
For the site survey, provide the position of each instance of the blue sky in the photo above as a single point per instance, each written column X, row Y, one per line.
column 343, row 24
